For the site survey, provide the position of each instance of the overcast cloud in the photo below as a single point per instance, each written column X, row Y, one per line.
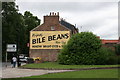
column 101, row 18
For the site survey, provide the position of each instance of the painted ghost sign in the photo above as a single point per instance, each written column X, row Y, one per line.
column 48, row 39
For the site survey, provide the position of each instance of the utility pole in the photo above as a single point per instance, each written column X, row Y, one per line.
column 18, row 64
column 6, row 58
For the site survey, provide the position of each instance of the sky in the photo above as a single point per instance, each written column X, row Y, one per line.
column 99, row 17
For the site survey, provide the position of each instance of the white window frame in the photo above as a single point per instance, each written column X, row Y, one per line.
column 52, row 28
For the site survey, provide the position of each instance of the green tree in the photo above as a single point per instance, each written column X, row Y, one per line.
column 81, row 49
column 11, row 22
column 8, row 22
column 30, row 23
column 16, row 27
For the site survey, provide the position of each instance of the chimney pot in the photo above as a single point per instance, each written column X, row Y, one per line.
column 52, row 13
column 55, row 13
column 58, row 13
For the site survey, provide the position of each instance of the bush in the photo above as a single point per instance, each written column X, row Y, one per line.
column 105, row 55
column 118, row 59
column 81, row 49
column 112, row 60
column 117, row 49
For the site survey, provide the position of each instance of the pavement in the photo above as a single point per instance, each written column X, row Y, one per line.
column 9, row 72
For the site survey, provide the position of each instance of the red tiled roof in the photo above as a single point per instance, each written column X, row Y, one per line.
column 109, row 41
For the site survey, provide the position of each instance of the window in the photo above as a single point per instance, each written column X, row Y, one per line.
column 52, row 28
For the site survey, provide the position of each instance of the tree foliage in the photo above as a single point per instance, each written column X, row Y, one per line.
column 81, row 49
column 85, row 48
column 117, row 49
column 16, row 27
column 30, row 22
column 105, row 56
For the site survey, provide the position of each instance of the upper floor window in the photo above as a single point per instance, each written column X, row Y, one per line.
column 52, row 28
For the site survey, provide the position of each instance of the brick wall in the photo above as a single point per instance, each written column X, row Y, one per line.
column 45, row 54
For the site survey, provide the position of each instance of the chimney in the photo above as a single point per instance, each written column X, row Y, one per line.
column 53, row 18
column 98, row 37
column 58, row 13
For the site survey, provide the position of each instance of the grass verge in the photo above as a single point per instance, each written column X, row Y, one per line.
column 104, row 73
column 55, row 65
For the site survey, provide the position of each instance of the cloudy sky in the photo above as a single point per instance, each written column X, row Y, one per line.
column 101, row 18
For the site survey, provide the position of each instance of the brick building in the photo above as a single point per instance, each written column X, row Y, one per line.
column 110, row 43
column 51, row 24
